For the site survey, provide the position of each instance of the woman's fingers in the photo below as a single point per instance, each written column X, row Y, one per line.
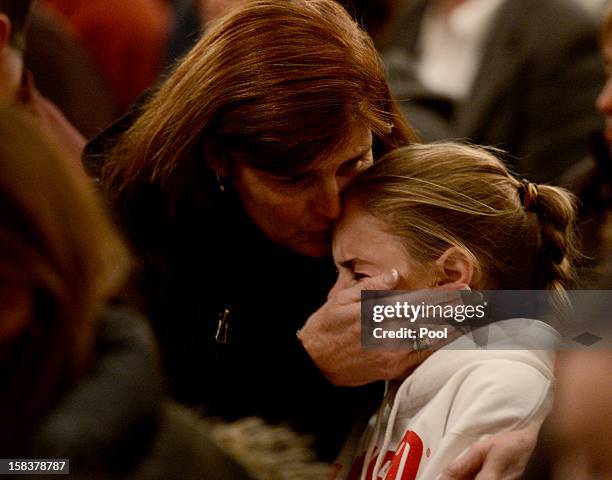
column 468, row 465
column 500, row 457
column 332, row 335
column 385, row 281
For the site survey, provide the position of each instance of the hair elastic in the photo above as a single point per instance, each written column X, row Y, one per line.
column 528, row 193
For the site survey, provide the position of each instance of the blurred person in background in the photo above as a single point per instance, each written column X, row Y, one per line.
column 520, row 75
column 591, row 177
column 185, row 29
column 190, row 21
column 65, row 72
column 126, row 39
column 594, row 7
column 575, row 443
column 80, row 377
column 377, row 17
column 17, row 84
column 581, row 421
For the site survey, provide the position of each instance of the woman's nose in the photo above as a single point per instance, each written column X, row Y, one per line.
column 327, row 201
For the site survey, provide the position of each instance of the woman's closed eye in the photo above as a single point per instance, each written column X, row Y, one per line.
column 356, row 165
column 298, row 180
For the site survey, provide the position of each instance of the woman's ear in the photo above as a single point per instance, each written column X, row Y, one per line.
column 455, row 266
column 216, row 161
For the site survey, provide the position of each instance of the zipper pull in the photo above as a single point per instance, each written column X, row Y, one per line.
column 222, row 326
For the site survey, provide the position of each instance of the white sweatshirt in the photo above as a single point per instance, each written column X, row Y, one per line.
column 453, row 399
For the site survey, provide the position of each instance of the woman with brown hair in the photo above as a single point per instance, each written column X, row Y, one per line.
column 227, row 182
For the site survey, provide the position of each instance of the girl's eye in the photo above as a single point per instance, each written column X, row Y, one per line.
column 358, row 276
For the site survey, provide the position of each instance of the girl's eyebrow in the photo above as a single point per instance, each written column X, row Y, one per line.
column 350, row 263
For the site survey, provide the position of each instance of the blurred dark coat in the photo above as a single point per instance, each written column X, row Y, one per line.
column 115, row 423
column 533, row 95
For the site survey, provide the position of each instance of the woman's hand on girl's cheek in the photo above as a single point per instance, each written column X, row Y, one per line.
column 332, row 335
column 332, row 338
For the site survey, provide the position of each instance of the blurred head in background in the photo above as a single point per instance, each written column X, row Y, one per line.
column 604, row 101
column 60, row 261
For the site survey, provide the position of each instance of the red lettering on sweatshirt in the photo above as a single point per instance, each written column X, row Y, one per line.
column 407, row 459
column 404, row 463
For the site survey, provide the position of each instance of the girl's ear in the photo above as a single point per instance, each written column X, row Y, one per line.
column 455, row 266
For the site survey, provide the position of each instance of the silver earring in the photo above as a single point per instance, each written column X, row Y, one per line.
column 220, row 182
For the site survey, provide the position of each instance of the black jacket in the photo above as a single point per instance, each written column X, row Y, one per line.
column 205, row 257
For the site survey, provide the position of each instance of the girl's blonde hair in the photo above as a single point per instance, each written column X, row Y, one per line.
column 446, row 194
